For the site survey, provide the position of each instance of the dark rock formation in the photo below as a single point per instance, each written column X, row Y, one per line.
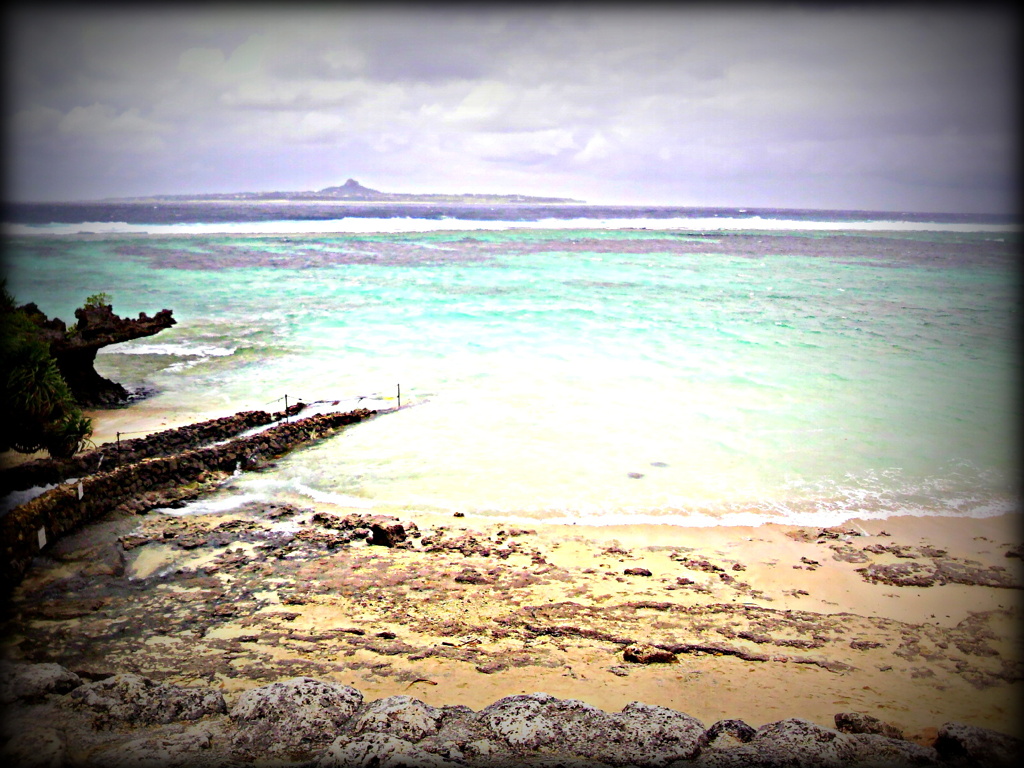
column 857, row 722
column 387, row 533
column 970, row 745
column 75, row 349
column 637, row 572
column 642, row 653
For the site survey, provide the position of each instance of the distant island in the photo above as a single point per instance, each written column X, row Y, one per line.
column 350, row 191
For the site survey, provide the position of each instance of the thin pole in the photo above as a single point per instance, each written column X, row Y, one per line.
column 399, row 396
column 119, row 449
column 286, row 407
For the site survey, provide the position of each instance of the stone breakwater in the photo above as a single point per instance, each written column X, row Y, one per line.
column 30, row 528
column 55, row 718
column 42, row 472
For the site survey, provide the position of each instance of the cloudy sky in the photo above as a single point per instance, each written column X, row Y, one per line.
column 883, row 107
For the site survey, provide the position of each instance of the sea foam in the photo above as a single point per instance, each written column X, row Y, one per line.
column 396, row 225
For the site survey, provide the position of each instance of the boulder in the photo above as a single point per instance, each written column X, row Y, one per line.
column 653, row 736
column 165, row 750
column 637, row 572
column 33, row 682
column 378, row 750
column 793, row 743
column 386, row 533
column 856, row 722
column 35, row 748
column 521, row 721
column 463, row 737
column 642, row 653
column 640, row 733
column 299, row 713
column 136, row 699
column 727, row 733
column 970, row 745
column 872, row 749
column 798, row 743
column 400, row 716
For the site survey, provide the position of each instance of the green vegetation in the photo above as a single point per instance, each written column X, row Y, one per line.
column 98, row 300
column 41, row 413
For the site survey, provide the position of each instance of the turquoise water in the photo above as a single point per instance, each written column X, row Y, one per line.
column 591, row 375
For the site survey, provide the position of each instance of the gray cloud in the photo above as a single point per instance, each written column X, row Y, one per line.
column 868, row 107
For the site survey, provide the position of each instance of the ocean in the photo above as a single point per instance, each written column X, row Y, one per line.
column 586, row 364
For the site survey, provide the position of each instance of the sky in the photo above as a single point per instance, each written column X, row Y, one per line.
column 883, row 107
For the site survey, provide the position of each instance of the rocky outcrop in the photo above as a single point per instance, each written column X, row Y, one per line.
column 131, row 720
column 75, row 349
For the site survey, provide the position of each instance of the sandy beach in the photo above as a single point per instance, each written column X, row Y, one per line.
column 913, row 620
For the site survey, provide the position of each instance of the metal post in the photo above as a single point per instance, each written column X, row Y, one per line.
column 399, row 397
column 286, row 408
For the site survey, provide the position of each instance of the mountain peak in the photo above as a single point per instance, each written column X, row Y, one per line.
column 351, row 188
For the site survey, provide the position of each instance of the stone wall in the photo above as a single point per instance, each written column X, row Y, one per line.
column 109, row 455
column 28, row 529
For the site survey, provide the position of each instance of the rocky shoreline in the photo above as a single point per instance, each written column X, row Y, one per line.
column 280, row 634
column 130, row 720
column 223, row 639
